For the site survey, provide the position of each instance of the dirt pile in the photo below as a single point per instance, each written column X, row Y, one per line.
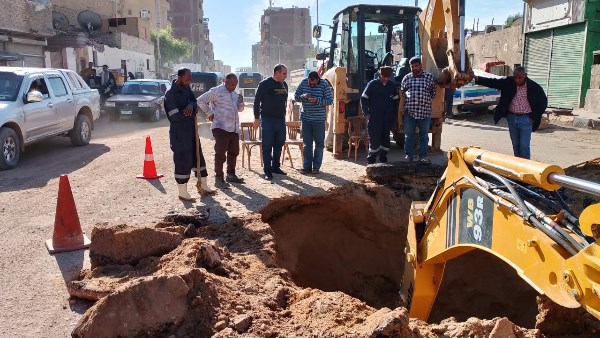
column 296, row 270
column 589, row 171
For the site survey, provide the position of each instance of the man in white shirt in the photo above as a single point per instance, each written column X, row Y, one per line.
column 223, row 105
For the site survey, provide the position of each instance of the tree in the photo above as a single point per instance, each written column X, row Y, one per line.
column 511, row 19
column 172, row 50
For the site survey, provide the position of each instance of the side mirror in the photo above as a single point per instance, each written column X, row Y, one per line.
column 382, row 29
column 316, row 31
column 321, row 56
column 34, row 96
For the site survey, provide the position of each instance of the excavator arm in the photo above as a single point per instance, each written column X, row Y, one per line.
column 508, row 207
column 442, row 36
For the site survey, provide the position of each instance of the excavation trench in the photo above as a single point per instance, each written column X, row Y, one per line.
column 353, row 241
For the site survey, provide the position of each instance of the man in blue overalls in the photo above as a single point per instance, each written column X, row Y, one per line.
column 181, row 108
column 379, row 103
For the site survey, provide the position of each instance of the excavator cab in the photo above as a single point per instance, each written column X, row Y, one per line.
column 365, row 38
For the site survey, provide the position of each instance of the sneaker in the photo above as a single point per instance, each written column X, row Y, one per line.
column 278, row 171
column 304, row 171
column 268, row 177
column 315, row 171
column 233, row 178
column 408, row 158
column 424, row 159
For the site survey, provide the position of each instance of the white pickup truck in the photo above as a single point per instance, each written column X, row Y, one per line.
column 37, row 103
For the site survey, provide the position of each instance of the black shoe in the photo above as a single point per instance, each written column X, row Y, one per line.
column 278, row 171
column 220, row 182
column 383, row 159
column 315, row 171
column 304, row 171
column 268, row 177
column 233, row 178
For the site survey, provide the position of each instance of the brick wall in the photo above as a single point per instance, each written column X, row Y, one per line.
column 503, row 45
column 31, row 17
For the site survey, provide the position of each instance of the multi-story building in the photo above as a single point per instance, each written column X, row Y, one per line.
column 24, row 29
column 188, row 22
column 112, row 32
column 285, row 38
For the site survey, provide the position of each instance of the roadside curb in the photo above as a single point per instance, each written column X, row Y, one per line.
column 579, row 118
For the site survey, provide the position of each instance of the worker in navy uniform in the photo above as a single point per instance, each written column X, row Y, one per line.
column 379, row 103
column 181, row 108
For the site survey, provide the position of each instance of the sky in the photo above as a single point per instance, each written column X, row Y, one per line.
column 234, row 24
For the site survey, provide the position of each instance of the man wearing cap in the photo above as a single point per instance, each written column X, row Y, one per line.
column 522, row 102
column 379, row 103
column 418, row 88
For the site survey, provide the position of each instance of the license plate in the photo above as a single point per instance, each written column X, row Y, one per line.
column 248, row 81
column 126, row 112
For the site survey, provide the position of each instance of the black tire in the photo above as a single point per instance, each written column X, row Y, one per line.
column 155, row 117
column 10, row 149
column 82, row 132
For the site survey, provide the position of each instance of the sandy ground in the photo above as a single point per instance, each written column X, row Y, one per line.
column 34, row 301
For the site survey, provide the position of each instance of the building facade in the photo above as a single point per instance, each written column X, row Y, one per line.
column 504, row 45
column 25, row 27
column 188, row 22
column 285, row 38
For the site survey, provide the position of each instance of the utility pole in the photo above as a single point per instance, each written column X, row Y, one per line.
column 317, row 24
column 158, row 37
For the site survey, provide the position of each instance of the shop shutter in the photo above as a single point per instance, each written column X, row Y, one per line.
column 538, row 46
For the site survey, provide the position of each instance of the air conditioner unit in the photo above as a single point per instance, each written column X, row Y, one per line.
column 144, row 13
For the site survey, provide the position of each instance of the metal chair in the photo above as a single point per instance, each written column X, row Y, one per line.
column 357, row 133
column 294, row 138
column 250, row 139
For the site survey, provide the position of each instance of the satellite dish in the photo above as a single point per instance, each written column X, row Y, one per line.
column 60, row 22
column 89, row 20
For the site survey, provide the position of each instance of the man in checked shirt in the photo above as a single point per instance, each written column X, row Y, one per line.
column 223, row 105
column 418, row 88
column 522, row 102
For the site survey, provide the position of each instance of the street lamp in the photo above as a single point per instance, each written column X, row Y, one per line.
column 192, row 39
column 278, row 49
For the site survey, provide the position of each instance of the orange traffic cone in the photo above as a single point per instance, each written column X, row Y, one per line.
column 67, row 230
column 149, row 166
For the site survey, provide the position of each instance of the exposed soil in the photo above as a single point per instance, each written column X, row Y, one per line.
column 299, row 270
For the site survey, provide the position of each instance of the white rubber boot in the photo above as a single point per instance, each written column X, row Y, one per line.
column 204, row 189
column 183, row 193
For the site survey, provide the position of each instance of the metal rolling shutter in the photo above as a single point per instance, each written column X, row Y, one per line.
column 538, row 46
column 566, row 67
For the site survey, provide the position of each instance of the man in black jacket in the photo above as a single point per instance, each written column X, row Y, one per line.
column 522, row 102
column 181, row 108
column 269, row 111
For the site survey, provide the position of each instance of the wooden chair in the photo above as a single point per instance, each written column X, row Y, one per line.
column 250, row 139
column 294, row 138
column 357, row 133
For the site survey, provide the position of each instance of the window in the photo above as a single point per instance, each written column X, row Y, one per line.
column 74, row 81
column 39, row 84
column 129, row 12
column 58, row 86
column 95, row 57
column 147, row 64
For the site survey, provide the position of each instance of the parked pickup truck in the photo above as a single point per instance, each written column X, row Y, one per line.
column 37, row 103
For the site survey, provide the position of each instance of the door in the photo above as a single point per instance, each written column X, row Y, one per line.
column 63, row 102
column 39, row 117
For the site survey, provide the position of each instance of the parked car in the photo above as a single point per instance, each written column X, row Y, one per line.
column 142, row 98
column 37, row 103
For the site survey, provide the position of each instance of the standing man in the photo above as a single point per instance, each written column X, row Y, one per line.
column 315, row 95
column 222, row 106
column 522, row 102
column 86, row 73
column 108, row 82
column 379, row 103
column 181, row 108
column 418, row 88
column 270, row 104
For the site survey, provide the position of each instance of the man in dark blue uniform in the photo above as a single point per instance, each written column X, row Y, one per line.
column 379, row 103
column 181, row 108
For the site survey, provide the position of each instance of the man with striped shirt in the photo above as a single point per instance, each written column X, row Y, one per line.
column 223, row 105
column 315, row 95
